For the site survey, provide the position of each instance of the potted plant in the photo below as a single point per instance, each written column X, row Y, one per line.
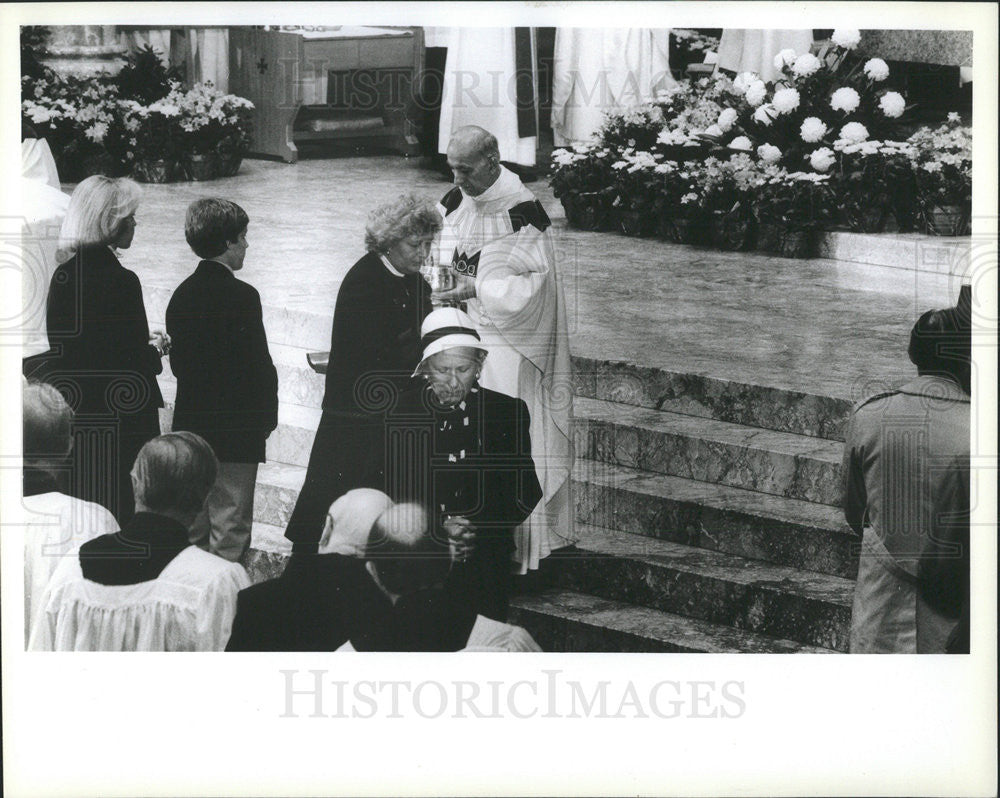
column 871, row 179
column 792, row 208
column 583, row 180
column 636, row 187
column 157, row 136
column 728, row 200
column 942, row 167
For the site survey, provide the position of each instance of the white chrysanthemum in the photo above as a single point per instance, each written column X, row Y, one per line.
column 892, row 104
column 619, row 165
column 785, row 100
column 876, row 69
column 714, row 130
column 784, row 58
column 954, row 116
column 743, row 80
column 848, row 38
column 96, row 132
column 854, row 132
column 845, row 99
column 806, row 64
column 756, row 92
column 741, row 143
column 768, row 153
column 764, row 115
column 822, row 159
column 727, row 119
column 689, row 197
column 813, row 129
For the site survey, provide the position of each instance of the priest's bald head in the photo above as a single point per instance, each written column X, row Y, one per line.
column 474, row 158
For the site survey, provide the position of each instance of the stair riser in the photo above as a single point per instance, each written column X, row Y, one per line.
column 561, row 634
column 765, row 609
column 727, row 531
column 680, row 455
column 707, row 397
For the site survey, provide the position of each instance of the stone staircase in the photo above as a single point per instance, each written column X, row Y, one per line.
column 706, row 509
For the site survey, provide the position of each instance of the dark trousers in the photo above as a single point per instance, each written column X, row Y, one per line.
column 486, row 578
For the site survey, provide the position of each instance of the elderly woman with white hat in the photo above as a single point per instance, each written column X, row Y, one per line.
column 464, row 452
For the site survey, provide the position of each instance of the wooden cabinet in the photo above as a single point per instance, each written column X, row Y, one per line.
column 352, row 83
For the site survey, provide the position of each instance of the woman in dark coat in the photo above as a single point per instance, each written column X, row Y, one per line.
column 464, row 453
column 374, row 348
column 104, row 359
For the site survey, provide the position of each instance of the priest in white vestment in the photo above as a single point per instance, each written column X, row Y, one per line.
column 597, row 70
column 497, row 237
column 480, row 87
column 43, row 207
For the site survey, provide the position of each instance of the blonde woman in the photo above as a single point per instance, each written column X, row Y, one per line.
column 104, row 359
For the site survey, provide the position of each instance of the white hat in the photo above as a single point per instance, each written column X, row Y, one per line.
column 447, row 328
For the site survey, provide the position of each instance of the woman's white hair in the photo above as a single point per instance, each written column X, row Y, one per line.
column 96, row 211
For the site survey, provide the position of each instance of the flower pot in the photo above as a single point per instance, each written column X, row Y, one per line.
column 867, row 215
column 229, row 165
column 158, row 171
column 591, row 212
column 733, row 231
column 635, row 223
column 201, row 166
column 687, row 231
column 769, row 237
column 946, row 220
column 799, row 243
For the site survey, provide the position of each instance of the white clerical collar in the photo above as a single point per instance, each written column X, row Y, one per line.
column 389, row 266
column 505, row 183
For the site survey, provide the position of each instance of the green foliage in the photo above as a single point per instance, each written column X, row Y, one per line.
column 144, row 79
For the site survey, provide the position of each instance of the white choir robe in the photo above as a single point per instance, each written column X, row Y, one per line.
column 597, row 70
column 479, row 89
column 520, row 314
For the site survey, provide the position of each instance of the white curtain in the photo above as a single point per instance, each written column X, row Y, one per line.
column 754, row 50
column 208, row 56
column 479, row 89
column 596, row 70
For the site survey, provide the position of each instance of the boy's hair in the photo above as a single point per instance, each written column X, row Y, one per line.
column 212, row 224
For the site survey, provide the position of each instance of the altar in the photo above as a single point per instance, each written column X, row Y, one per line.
column 335, row 84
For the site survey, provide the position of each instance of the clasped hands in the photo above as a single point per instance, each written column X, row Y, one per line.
column 461, row 537
column 465, row 288
column 160, row 341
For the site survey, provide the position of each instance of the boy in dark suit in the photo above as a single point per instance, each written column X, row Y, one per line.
column 227, row 386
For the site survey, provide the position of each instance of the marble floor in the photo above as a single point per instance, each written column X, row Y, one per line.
column 819, row 326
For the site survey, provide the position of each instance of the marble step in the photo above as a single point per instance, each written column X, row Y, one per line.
column 780, row 463
column 564, row 620
column 729, row 520
column 787, row 603
column 292, row 334
column 710, row 397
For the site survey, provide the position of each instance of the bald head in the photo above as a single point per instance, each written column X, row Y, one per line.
column 474, row 158
column 47, row 422
column 404, row 553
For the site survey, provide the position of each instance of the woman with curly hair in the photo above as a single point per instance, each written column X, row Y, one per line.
column 374, row 349
column 104, row 360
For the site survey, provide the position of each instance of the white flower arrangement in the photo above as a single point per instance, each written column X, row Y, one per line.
column 727, row 119
column 755, row 93
column 822, row 159
column 743, row 81
column 854, row 133
column 768, row 153
column 812, row 129
column 741, row 143
column 785, row 100
column 806, row 64
column 714, row 130
column 876, row 69
column 892, row 104
column 764, row 115
column 848, row 38
column 845, row 99
column 785, row 58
